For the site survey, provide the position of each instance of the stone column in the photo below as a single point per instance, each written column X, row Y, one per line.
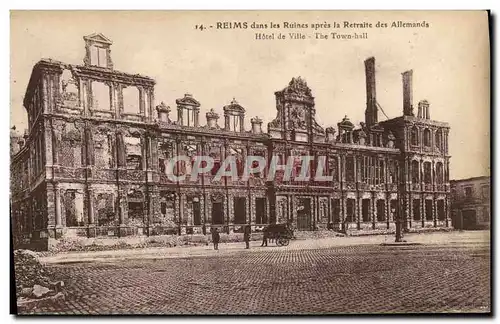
column 356, row 176
column 388, row 210
column 433, row 175
column 154, row 204
column 422, row 210
column 180, row 115
column 182, row 199
column 196, row 117
column 359, row 206
column 90, row 207
column 434, row 210
column 410, row 208
column 142, row 102
column 48, row 144
column 374, row 210
column 121, row 151
column 154, row 153
column 447, row 210
column 84, row 96
column 114, row 106
column 343, row 210
column 45, row 93
column 58, row 219
column 58, row 205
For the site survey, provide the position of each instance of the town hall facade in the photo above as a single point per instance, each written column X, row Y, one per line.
column 93, row 160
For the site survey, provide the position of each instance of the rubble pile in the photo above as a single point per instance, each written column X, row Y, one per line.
column 32, row 279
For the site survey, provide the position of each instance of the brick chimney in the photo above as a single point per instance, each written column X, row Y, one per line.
column 371, row 112
column 408, row 93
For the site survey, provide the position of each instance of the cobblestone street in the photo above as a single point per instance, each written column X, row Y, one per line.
column 342, row 279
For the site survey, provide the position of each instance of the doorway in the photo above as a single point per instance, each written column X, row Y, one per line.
column 469, row 219
column 240, row 213
column 365, row 210
column 196, row 213
column 304, row 214
column 428, row 210
column 260, row 211
column 217, row 213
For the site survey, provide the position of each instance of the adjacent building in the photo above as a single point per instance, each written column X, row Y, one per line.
column 93, row 160
column 470, row 202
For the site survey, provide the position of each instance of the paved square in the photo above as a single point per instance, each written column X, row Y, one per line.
column 343, row 279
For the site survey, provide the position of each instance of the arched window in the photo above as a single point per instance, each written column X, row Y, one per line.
column 438, row 140
column 349, row 169
column 427, row 137
column 415, row 172
column 439, row 173
column 414, row 136
column 427, row 172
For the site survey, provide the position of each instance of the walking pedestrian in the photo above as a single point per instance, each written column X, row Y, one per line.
column 246, row 236
column 216, row 238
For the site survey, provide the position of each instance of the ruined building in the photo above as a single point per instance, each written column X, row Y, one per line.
column 93, row 161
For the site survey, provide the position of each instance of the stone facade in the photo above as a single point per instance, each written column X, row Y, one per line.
column 93, row 161
column 471, row 203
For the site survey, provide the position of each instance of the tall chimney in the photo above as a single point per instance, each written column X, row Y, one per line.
column 408, row 93
column 371, row 112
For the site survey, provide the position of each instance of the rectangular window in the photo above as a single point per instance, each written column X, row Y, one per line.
column 94, row 55
column 428, row 210
column 380, row 210
column 130, row 100
column 416, row 209
column 100, row 96
column 103, row 57
column 350, row 217
column 468, row 192
column 336, row 210
column 366, row 210
column 485, row 189
column 196, row 212
column 440, row 210
column 486, row 214
column 349, row 166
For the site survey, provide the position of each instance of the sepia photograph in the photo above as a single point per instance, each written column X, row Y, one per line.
column 250, row 162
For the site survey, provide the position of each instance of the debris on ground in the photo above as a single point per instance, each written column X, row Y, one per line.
column 33, row 281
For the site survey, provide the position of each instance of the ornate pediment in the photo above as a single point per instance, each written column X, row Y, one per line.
column 188, row 100
column 234, row 107
column 346, row 123
column 298, row 86
column 98, row 38
column 297, row 91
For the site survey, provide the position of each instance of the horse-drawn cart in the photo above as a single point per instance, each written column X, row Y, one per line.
column 280, row 233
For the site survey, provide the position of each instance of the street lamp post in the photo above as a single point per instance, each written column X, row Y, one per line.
column 398, row 225
column 397, row 210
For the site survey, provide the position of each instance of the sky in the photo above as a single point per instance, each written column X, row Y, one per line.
column 450, row 62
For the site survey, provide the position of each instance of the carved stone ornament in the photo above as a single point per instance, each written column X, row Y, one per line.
column 217, row 197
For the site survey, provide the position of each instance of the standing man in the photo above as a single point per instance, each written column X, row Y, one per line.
column 216, row 238
column 246, row 236
column 264, row 236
